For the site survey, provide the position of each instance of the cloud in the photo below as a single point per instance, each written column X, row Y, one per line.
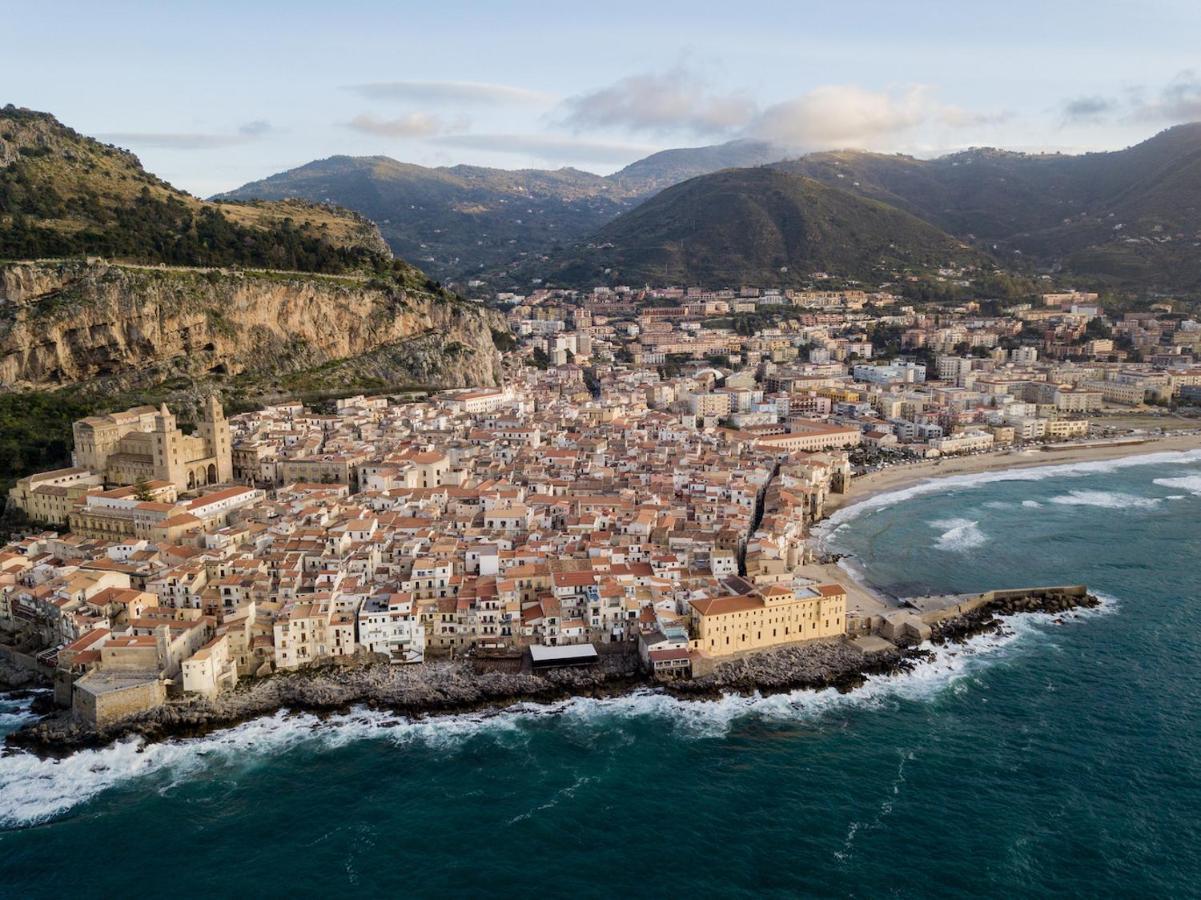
column 412, row 125
column 1178, row 101
column 469, row 92
column 836, row 116
column 188, row 140
column 1088, row 109
column 552, row 148
column 257, row 128
column 678, row 100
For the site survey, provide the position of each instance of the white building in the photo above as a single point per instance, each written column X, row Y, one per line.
column 389, row 624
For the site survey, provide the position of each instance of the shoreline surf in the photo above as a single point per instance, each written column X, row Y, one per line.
column 36, row 789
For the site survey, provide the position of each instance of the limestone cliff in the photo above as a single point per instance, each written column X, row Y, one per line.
column 121, row 326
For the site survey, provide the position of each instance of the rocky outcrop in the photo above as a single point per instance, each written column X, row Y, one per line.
column 70, row 322
column 838, row 664
column 16, row 678
column 435, row 687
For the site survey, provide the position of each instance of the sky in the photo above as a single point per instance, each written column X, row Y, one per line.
column 212, row 95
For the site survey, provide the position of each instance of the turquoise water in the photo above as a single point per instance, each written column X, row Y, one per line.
column 1052, row 759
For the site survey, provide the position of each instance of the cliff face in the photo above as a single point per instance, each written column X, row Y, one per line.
column 121, row 326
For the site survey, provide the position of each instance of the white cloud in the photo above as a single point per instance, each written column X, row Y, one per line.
column 678, row 100
column 552, row 148
column 681, row 102
column 190, row 140
column 836, row 116
column 468, row 92
column 412, row 125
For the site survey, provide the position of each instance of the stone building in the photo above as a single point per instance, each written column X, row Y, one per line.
column 774, row 616
column 101, row 698
column 50, row 496
column 144, row 444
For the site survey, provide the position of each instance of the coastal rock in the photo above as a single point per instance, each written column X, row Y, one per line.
column 818, row 664
column 15, row 678
column 985, row 618
column 436, row 687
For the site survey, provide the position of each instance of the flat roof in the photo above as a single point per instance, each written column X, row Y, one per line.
column 102, row 682
column 542, row 653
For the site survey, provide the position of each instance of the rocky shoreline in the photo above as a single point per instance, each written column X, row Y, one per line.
column 13, row 678
column 956, row 629
column 445, row 687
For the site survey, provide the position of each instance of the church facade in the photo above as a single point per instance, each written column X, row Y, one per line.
column 145, row 444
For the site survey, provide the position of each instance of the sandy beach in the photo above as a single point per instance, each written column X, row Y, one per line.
column 903, row 476
column 862, row 599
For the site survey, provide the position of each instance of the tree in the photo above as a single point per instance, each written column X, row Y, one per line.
column 142, row 492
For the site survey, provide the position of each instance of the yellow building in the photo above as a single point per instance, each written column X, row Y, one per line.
column 144, row 444
column 1067, row 428
column 50, row 496
column 810, row 436
column 768, row 618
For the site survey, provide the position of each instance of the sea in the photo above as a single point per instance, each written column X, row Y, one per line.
column 1059, row 757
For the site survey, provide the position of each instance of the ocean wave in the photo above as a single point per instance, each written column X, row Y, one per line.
column 1105, row 500
column 35, row 790
column 854, row 569
column 1190, row 483
column 1031, row 504
column 959, row 535
column 14, row 714
column 936, row 483
column 11, row 721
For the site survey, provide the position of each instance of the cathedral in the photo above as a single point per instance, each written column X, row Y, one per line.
column 145, row 444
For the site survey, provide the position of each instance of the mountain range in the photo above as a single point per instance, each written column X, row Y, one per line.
column 459, row 221
column 1128, row 219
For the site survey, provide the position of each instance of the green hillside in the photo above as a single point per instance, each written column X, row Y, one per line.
column 64, row 194
column 762, row 227
column 1130, row 217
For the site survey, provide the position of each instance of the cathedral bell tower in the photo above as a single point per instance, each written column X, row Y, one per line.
column 214, row 428
column 167, row 453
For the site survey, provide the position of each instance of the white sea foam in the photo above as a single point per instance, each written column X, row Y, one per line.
column 1190, row 483
column 1105, row 500
column 883, row 811
column 1031, row 504
column 35, row 790
column 959, row 535
column 937, row 484
column 14, row 714
column 12, row 720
